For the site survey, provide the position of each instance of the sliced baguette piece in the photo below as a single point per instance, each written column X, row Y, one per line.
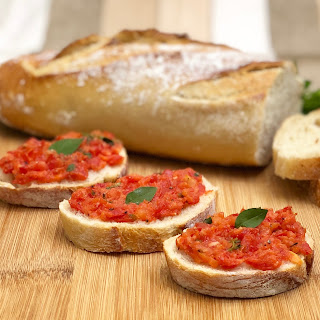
column 49, row 195
column 99, row 236
column 296, row 147
column 242, row 282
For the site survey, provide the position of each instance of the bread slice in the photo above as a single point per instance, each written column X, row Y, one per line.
column 99, row 236
column 48, row 195
column 296, row 147
column 217, row 104
column 242, row 282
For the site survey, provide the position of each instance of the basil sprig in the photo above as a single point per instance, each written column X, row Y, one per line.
column 311, row 99
column 250, row 218
column 66, row 146
column 140, row 194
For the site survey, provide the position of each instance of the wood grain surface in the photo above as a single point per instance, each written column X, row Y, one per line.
column 44, row 276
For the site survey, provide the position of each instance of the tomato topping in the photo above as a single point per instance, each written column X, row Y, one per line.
column 35, row 162
column 175, row 190
column 265, row 247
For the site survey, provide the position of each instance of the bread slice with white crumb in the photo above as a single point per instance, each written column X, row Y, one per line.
column 241, row 282
column 139, row 236
column 49, row 195
column 296, row 147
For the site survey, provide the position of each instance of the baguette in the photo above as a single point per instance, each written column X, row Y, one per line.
column 217, row 104
column 296, row 147
column 144, row 237
column 243, row 281
column 49, row 195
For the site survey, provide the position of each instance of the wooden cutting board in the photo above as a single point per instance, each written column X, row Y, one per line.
column 44, row 276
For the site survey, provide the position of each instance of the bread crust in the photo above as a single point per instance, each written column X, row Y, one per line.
column 243, row 282
column 211, row 100
column 99, row 236
column 49, row 195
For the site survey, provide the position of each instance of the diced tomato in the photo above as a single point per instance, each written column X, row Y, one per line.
column 172, row 195
column 265, row 247
column 34, row 162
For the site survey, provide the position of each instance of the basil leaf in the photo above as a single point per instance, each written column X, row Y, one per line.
column 235, row 244
column 307, row 84
column 108, row 141
column 311, row 99
column 208, row 220
column 71, row 167
column 140, row 194
column 66, row 146
column 88, row 154
column 250, row 218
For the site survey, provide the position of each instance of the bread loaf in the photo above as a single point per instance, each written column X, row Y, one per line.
column 161, row 94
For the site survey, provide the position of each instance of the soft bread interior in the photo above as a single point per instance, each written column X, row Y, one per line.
column 283, row 100
column 296, row 147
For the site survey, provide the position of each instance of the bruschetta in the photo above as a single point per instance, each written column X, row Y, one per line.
column 136, row 213
column 221, row 259
column 42, row 173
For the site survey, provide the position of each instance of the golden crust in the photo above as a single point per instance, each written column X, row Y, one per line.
column 98, row 236
column 49, row 195
column 156, row 85
column 244, row 282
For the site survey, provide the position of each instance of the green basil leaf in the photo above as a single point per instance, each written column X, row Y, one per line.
column 71, row 167
column 235, row 244
column 66, row 146
column 88, row 154
column 140, row 194
column 307, row 84
column 208, row 220
column 108, row 141
column 250, row 218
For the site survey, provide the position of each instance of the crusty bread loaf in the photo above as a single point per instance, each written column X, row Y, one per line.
column 100, row 236
column 49, row 195
column 242, row 282
column 161, row 94
column 296, row 147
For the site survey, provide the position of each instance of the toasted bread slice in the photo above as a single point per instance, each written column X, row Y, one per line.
column 48, row 195
column 99, row 236
column 296, row 147
column 242, row 282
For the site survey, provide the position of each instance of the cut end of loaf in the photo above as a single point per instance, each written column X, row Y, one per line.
column 283, row 100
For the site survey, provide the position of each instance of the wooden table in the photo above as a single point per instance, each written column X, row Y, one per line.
column 44, row 276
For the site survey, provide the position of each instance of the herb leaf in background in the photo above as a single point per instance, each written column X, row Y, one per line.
column 250, row 218
column 311, row 99
column 140, row 194
column 66, row 146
